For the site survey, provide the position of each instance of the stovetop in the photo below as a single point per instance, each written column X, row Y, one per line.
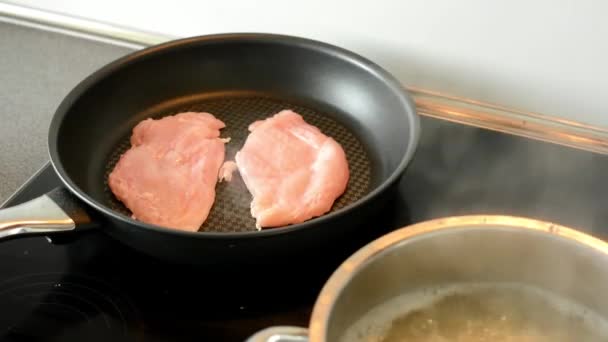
column 95, row 289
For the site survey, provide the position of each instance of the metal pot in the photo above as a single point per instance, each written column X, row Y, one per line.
column 445, row 251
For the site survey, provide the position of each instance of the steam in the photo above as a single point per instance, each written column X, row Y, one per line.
column 483, row 172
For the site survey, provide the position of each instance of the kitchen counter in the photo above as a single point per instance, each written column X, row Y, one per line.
column 37, row 68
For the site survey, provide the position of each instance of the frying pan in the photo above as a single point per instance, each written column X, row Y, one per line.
column 239, row 78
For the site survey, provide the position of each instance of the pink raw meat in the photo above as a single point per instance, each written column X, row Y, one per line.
column 226, row 171
column 292, row 169
column 168, row 175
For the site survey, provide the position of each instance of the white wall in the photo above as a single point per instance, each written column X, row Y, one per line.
column 547, row 56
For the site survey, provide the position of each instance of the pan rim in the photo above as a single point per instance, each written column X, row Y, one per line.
column 390, row 81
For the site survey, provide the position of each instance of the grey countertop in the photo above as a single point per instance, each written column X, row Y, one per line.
column 37, row 69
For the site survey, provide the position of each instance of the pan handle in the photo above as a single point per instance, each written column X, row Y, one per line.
column 55, row 211
column 280, row 334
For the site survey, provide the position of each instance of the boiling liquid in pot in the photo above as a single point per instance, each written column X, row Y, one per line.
column 476, row 313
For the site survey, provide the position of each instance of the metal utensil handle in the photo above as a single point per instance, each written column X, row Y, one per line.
column 280, row 334
column 56, row 211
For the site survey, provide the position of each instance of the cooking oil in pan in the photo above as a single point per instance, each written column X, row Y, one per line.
column 476, row 313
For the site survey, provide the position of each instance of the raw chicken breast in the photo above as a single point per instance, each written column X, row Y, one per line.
column 168, row 175
column 226, row 171
column 292, row 169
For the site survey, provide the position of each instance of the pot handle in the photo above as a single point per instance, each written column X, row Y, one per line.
column 55, row 211
column 280, row 334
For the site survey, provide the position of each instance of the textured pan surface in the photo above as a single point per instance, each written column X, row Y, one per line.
column 230, row 212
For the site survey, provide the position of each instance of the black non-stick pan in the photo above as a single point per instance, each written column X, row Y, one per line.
column 239, row 78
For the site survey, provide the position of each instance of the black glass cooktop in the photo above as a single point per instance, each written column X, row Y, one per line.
column 94, row 289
